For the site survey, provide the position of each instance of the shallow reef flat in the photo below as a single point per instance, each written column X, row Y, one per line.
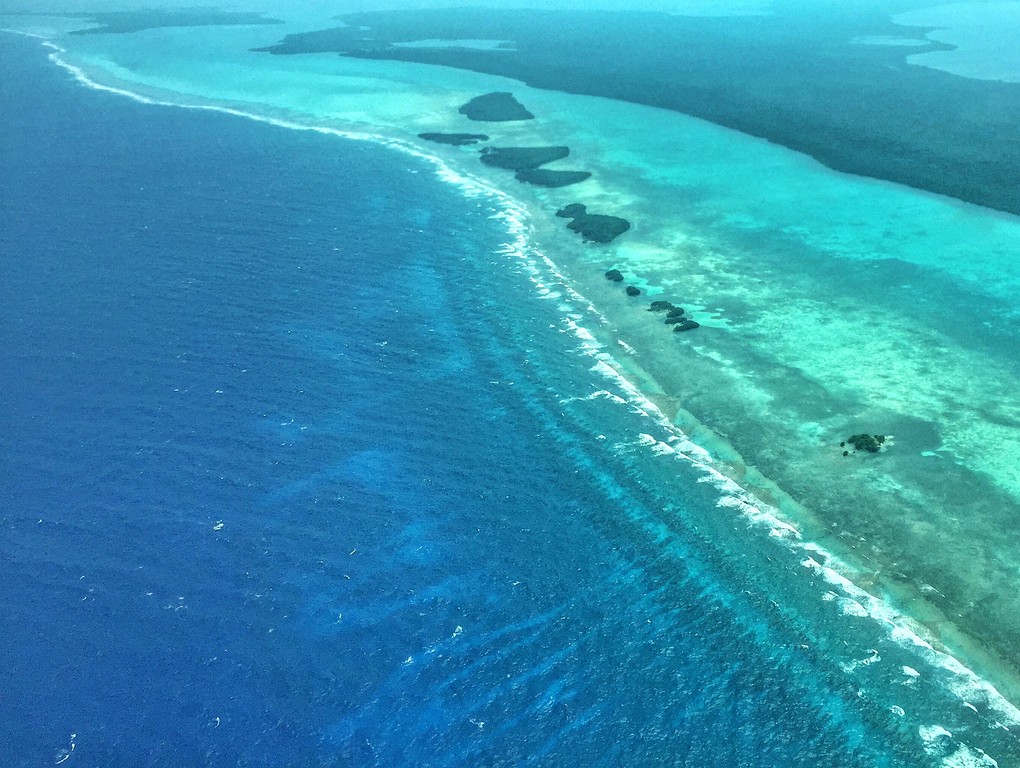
column 827, row 306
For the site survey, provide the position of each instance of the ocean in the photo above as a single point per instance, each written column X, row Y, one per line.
column 313, row 457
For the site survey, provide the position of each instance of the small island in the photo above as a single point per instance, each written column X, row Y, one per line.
column 593, row 227
column 543, row 177
column 498, row 107
column 675, row 316
column 527, row 162
column 522, row 158
column 454, row 139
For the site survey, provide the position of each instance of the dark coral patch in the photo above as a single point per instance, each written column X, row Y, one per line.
column 660, row 306
column 869, row 443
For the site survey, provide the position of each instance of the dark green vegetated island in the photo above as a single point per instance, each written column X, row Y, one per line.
column 526, row 161
column 498, row 107
column 454, row 139
column 794, row 78
column 522, row 158
column 593, row 227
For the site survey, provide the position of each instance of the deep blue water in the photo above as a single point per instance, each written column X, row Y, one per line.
column 283, row 480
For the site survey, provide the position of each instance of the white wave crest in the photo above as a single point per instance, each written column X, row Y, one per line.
column 22, row 33
column 940, row 743
column 548, row 278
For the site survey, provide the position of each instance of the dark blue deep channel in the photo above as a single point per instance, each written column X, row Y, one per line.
column 278, row 486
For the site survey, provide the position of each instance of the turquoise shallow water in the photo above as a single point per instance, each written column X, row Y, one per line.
column 981, row 39
column 274, row 496
column 829, row 305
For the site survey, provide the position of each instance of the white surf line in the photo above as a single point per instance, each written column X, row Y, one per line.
column 968, row 686
column 23, row 33
column 515, row 217
column 854, row 601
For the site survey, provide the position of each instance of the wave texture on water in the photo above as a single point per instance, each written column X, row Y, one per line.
column 658, row 438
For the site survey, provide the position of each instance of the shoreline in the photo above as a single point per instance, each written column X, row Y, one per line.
column 790, row 110
column 910, row 603
column 789, row 516
column 648, row 386
column 936, row 628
